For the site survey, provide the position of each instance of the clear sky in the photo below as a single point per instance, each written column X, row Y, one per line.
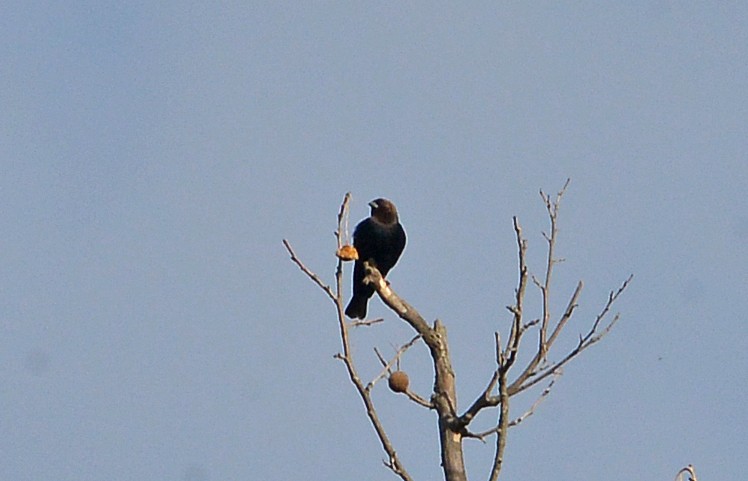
column 154, row 154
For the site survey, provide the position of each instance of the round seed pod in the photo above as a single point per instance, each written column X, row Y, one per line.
column 398, row 381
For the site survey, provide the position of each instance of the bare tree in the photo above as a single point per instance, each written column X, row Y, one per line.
column 508, row 377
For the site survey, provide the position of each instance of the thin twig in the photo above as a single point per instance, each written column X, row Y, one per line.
column 512, row 347
column 551, row 260
column 368, row 322
column 591, row 337
column 419, row 400
column 537, row 402
column 314, row 277
column 381, row 361
column 484, row 434
column 567, row 313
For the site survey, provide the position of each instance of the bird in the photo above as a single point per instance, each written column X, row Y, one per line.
column 379, row 239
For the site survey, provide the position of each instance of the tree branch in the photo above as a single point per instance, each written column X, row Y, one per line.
column 393, row 462
column 502, row 428
column 485, row 400
column 516, row 309
column 505, row 359
column 591, row 337
column 314, row 277
column 444, row 397
column 537, row 402
column 482, row 435
column 368, row 322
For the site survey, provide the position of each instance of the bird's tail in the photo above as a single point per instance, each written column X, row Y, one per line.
column 357, row 307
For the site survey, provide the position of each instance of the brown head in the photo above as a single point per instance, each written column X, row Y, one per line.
column 383, row 211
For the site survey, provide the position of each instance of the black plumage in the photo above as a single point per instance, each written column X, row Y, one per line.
column 379, row 239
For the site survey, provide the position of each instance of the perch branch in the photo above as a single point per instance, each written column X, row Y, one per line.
column 444, row 398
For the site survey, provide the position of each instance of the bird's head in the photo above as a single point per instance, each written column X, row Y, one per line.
column 384, row 211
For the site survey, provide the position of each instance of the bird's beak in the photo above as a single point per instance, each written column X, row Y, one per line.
column 373, row 204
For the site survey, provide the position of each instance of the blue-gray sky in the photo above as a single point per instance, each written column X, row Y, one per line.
column 153, row 156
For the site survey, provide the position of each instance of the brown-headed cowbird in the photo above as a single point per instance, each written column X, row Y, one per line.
column 379, row 239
